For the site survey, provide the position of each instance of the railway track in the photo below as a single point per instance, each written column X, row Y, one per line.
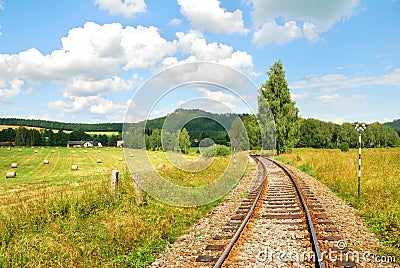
column 279, row 224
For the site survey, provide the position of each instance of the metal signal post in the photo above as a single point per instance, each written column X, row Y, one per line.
column 360, row 128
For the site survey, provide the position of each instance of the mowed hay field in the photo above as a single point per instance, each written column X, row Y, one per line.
column 52, row 216
column 35, row 177
column 379, row 203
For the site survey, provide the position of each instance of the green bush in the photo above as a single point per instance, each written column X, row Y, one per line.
column 208, row 152
column 217, row 150
column 344, row 147
column 223, row 150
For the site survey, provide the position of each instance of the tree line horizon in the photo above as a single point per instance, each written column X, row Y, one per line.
column 314, row 133
column 290, row 129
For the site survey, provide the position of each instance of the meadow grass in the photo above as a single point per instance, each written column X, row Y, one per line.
column 52, row 216
column 34, row 177
column 15, row 127
column 379, row 202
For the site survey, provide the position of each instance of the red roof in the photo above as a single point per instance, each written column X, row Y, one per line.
column 8, row 143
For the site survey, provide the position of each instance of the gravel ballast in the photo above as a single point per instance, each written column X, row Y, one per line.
column 355, row 237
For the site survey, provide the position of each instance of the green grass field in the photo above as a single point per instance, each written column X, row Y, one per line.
column 15, row 127
column 379, row 203
column 52, row 216
column 34, row 177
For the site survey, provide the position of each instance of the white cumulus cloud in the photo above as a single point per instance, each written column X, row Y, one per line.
column 271, row 32
column 14, row 89
column 91, row 104
column 218, row 96
column 82, row 87
column 312, row 18
column 144, row 47
column 175, row 21
column 310, row 32
column 195, row 45
column 93, row 58
column 209, row 15
column 93, row 51
column 127, row 8
column 105, row 106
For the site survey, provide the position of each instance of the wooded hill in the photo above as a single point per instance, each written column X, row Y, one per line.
column 395, row 125
column 313, row 133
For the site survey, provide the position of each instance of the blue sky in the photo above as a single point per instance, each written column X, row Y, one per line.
column 83, row 60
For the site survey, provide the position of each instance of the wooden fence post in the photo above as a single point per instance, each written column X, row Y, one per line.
column 115, row 183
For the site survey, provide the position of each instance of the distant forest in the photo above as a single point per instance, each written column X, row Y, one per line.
column 313, row 133
column 319, row 134
column 395, row 125
column 23, row 136
column 100, row 127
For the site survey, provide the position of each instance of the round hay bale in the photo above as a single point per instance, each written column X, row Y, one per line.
column 53, row 151
column 33, row 147
column 74, row 167
column 98, row 151
column 120, row 159
column 106, row 149
column 36, row 151
column 131, row 155
column 161, row 166
column 8, row 149
column 98, row 160
column 85, row 151
column 14, row 165
column 154, row 156
column 72, row 152
column 46, row 161
column 19, row 150
column 11, row 174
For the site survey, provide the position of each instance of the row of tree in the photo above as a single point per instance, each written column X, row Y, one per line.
column 158, row 140
column 33, row 137
column 313, row 133
column 45, row 124
column 319, row 134
column 292, row 131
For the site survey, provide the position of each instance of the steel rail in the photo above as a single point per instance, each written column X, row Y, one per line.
column 229, row 247
column 313, row 236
